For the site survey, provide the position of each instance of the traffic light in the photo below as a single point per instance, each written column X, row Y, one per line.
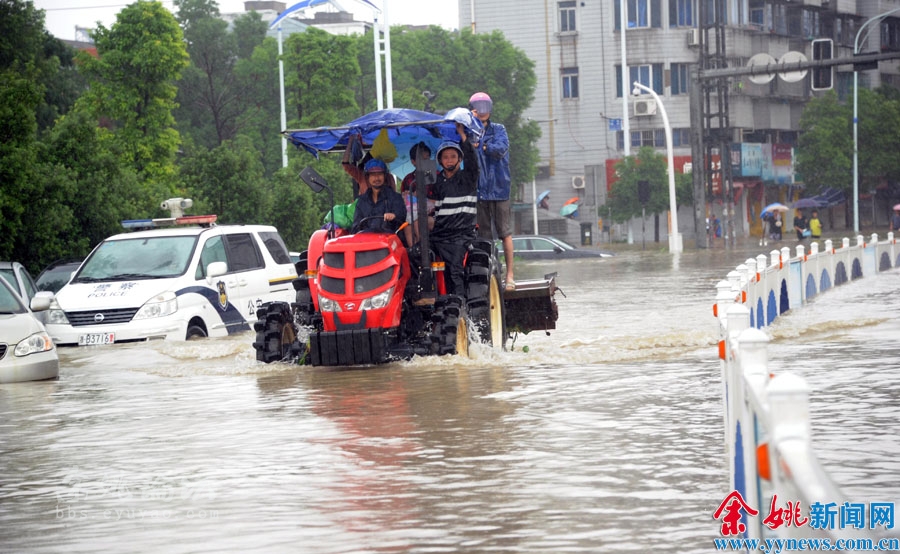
column 822, row 77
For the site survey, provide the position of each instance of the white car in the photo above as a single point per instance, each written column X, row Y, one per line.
column 19, row 278
column 174, row 283
column 26, row 350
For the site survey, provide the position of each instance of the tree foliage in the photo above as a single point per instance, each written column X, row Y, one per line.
column 213, row 99
column 825, row 148
column 27, row 49
column 132, row 85
column 651, row 166
column 228, row 181
column 320, row 72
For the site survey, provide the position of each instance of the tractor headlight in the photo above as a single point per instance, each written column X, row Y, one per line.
column 378, row 301
column 159, row 306
column 328, row 305
column 38, row 342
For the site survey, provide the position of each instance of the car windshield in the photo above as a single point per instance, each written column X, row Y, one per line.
column 139, row 258
column 9, row 276
column 564, row 244
column 9, row 301
column 54, row 279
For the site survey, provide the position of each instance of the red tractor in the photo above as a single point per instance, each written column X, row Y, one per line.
column 363, row 298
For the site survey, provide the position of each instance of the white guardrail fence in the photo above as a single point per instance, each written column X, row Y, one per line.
column 767, row 429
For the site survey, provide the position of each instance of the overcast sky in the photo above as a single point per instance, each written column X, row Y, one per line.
column 62, row 16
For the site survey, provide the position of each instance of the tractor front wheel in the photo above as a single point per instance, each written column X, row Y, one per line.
column 276, row 333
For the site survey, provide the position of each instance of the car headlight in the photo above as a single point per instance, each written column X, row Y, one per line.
column 160, row 305
column 378, row 301
column 328, row 305
column 38, row 342
column 56, row 316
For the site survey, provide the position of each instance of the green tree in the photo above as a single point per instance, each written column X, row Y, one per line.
column 214, row 103
column 249, row 32
column 825, row 146
column 209, row 106
column 189, row 12
column 879, row 141
column 100, row 190
column 257, row 79
column 28, row 49
column 132, row 86
column 228, row 181
column 320, row 72
column 19, row 98
column 651, row 166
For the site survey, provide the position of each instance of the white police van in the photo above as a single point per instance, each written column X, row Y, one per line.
column 191, row 279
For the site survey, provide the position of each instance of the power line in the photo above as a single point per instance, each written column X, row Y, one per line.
column 84, row 8
column 92, row 7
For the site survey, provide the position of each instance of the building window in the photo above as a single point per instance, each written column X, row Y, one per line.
column 649, row 75
column 711, row 11
column 567, row 17
column 681, row 77
column 655, row 138
column 681, row 13
column 890, row 35
column 570, row 82
column 640, row 14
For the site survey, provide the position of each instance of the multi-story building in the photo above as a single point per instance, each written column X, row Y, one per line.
column 577, row 49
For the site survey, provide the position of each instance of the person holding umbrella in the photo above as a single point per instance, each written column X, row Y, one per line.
column 800, row 225
column 895, row 219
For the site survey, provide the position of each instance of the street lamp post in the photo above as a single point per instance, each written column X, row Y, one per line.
column 856, row 119
column 534, row 199
column 675, row 244
column 284, row 159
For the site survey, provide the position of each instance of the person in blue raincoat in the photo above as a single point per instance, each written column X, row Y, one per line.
column 494, row 181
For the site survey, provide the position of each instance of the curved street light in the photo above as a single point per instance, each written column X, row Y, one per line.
column 878, row 17
column 675, row 244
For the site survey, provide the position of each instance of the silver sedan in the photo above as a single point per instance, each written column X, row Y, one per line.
column 26, row 351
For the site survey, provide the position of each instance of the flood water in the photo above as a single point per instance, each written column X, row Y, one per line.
column 605, row 436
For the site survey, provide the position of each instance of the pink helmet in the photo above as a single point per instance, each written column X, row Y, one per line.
column 481, row 102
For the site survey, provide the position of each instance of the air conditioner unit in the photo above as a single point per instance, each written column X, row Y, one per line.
column 694, row 37
column 644, row 106
column 578, row 181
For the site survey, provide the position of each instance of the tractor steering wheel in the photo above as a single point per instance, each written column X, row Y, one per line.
column 361, row 227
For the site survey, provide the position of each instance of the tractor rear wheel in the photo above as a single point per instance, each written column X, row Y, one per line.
column 449, row 333
column 484, row 298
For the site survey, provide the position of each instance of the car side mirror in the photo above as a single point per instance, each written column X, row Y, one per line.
column 216, row 269
column 558, row 249
column 41, row 301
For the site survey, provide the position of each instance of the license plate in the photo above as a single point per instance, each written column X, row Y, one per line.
column 96, row 338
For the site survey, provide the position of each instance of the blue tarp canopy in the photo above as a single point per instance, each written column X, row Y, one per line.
column 405, row 128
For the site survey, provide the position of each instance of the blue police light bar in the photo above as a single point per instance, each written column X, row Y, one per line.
column 137, row 223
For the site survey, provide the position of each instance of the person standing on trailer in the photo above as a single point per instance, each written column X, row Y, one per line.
column 494, row 182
